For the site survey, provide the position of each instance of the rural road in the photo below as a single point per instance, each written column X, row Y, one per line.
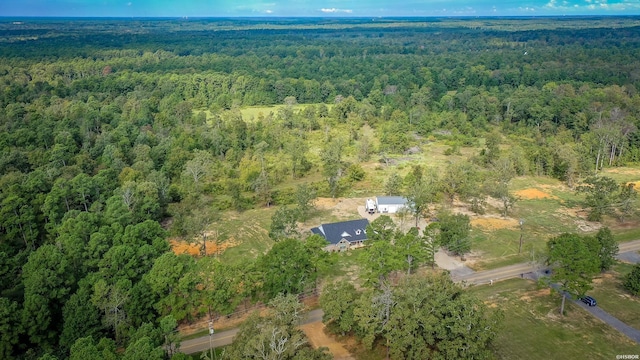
column 632, row 333
column 614, row 322
column 512, row 271
column 225, row 337
column 482, row 277
column 507, row 272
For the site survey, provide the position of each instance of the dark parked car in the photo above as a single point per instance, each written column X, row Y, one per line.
column 589, row 300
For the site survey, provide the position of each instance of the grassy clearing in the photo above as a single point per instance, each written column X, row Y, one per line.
column 248, row 230
column 533, row 329
column 347, row 265
column 543, row 219
column 628, row 234
column 614, row 299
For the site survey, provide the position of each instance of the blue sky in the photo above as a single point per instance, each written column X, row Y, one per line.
column 316, row 8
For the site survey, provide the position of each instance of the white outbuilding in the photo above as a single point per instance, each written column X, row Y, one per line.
column 390, row 204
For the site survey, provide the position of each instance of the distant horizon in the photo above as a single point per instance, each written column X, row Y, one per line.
column 322, row 17
column 315, row 8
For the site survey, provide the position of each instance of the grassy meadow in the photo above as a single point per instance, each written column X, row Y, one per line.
column 533, row 328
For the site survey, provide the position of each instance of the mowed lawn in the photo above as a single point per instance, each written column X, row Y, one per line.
column 533, row 328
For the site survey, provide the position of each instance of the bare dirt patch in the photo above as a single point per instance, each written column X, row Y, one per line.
column 495, row 224
column 533, row 193
column 183, row 247
column 341, row 207
column 579, row 216
column 318, row 338
column 603, row 277
column 326, row 203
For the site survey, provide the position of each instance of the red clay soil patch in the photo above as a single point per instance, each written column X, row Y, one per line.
column 495, row 224
column 318, row 338
column 193, row 249
column 533, row 193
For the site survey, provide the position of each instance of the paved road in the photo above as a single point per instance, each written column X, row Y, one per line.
column 632, row 333
column 482, row 277
column 226, row 337
column 507, row 272
column 629, row 246
column 626, row 251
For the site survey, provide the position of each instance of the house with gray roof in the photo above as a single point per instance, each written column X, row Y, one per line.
column 343, row 235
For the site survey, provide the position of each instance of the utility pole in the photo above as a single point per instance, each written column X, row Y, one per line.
column 211, row 331
column 521, row 230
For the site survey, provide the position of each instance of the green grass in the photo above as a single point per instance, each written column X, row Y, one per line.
column 628, row 235
column 543, row 219
column 533, row 329
column 249, row 231
column 218, row 354
column 614, row 299
column 346, row 264
column 626, row 174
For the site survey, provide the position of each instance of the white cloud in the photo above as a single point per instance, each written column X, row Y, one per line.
column 129, row 3
column 334, row 10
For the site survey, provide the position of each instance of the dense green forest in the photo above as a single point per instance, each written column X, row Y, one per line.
column 115, row 133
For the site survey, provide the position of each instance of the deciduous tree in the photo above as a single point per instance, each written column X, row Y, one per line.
column 574, row 264
column 286, row 269
column 454, row 232
column 598, row 192
column 338, row 303
column 632, row 281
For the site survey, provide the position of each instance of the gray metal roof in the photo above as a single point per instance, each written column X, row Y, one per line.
column 391, row 200
column 353, row 230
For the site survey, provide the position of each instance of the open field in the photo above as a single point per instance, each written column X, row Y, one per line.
column 533, row 329
column 614, row 299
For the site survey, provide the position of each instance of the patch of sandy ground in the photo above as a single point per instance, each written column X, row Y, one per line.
column 495, row 223
column 447, row 262
column 533, row 193
column 579, row 216
column 341, row 207
column 318, row 338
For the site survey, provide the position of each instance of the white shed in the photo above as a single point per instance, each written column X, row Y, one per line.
column 390, row 204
